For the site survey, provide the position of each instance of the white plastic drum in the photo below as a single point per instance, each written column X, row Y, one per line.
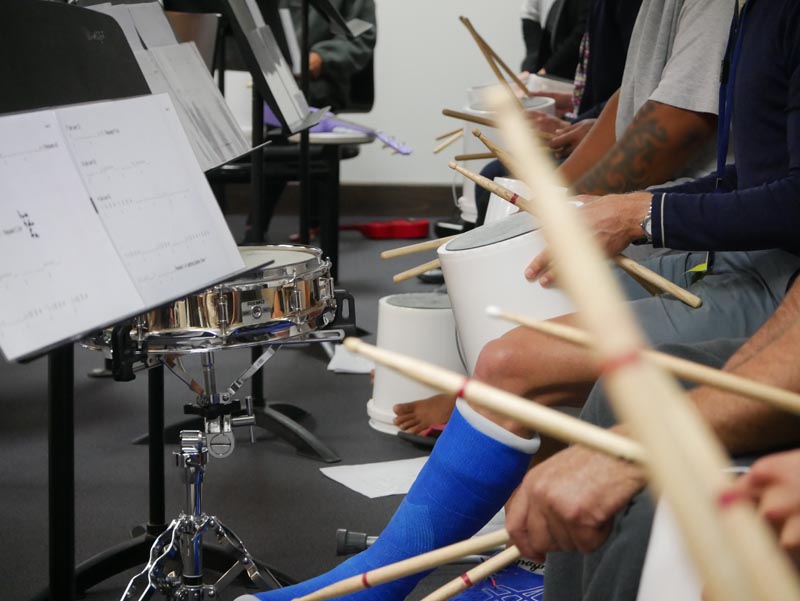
column 472, row 145
column 500, row 208
column 420, row 325
column 486, row 266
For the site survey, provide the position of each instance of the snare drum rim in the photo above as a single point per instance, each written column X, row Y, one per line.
column 276, row 277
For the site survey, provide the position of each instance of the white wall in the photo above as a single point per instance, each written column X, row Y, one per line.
column 425, row 60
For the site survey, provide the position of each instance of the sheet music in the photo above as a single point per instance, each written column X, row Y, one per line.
column 152, row 24
column 151, row 195
column 120, row 13
column 59, row 273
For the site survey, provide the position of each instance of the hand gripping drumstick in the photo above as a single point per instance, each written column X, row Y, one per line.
column 538, row 417
column 734, row 550
column 628, row 265
column 409, row 566
column 688, row 370
column 475, row 575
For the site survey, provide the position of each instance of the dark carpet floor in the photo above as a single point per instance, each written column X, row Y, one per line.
column 284, row 509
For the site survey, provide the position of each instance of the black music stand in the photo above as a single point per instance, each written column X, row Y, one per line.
column 65, row 55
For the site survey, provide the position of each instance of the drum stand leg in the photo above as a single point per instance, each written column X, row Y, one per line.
column 175, row 566
column 279, row 419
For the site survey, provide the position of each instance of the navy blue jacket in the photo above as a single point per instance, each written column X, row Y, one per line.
column 758, row 205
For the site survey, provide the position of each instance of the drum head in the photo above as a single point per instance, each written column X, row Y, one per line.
column 492, row 233
column 280, row 262
column 420, row 300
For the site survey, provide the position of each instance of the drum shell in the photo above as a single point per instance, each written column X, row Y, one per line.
column 271, row 303
column 494, row 274
column 500, row 208
column 424, row 333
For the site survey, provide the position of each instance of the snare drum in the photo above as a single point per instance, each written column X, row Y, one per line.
column 291, row 294
column 486, row 266
column 419, row 324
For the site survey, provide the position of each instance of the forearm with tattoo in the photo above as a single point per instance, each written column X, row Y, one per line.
column 654, row 148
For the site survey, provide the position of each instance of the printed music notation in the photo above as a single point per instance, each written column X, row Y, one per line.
column 105, row 213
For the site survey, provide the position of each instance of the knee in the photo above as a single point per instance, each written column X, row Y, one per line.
column 496, row 362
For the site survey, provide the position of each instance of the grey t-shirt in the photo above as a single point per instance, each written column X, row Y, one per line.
column 674, row 57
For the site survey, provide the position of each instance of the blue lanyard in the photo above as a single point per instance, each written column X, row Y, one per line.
column 726, row 88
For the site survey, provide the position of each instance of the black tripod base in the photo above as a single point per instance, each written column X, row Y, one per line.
column 136, row 552
column 274, row 419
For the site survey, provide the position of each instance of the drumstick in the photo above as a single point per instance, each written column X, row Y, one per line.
column 407, row 567
column 475, row 156
column 535, row 416
column 542, row 135
column 416, row 248
column 448, row 134
column 638, row 271
column 453, row 138
column 501, row 154
column 488, row 54
column 475, row 575
column 688, row 370
column 415, row 271
column 492, row 56
column 469, row 118
column 735, row 551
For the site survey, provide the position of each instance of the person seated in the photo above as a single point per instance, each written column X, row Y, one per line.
column 481, row 457
column 334, row 60
column 552, row 32
column 589, row 515
column 658, row 127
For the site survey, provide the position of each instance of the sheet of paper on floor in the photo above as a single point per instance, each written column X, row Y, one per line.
column 386, row 478
column 345, row 362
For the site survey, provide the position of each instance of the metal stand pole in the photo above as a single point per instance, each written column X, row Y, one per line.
column 61, row 466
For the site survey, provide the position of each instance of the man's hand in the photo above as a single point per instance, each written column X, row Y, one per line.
column 568, row 502
column 567, row 139
column 563, row 101
column 544, row 122
column 615, row 221
column 774, row 484
column 314, row 65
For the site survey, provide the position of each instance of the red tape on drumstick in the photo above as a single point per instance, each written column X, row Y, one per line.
column 465, row 578
column 460, row 393
column 364, row 580
column 609, row 366
column 513, row 200
column 731, row 497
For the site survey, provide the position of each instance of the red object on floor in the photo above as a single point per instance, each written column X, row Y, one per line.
column 396, row 228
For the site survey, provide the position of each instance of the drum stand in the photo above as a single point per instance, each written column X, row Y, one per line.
column 182, row 541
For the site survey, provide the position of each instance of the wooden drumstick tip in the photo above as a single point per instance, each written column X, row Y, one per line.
column 476, row 132
column 452, row 165
column 352, row 344
column 494, row 311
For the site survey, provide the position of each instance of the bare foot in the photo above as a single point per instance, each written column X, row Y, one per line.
column 420, row 415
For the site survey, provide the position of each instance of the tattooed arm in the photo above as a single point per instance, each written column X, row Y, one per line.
column 654, row 148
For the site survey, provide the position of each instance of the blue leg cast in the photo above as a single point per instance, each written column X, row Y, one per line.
column 466, row 480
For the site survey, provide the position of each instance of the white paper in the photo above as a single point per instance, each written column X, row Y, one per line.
column 179, row 70
column 668, row 571
column 123, row 17
column 151, row 195
column 55, row 276
column 375, row 480
column 345, row 362
column 152, row 24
